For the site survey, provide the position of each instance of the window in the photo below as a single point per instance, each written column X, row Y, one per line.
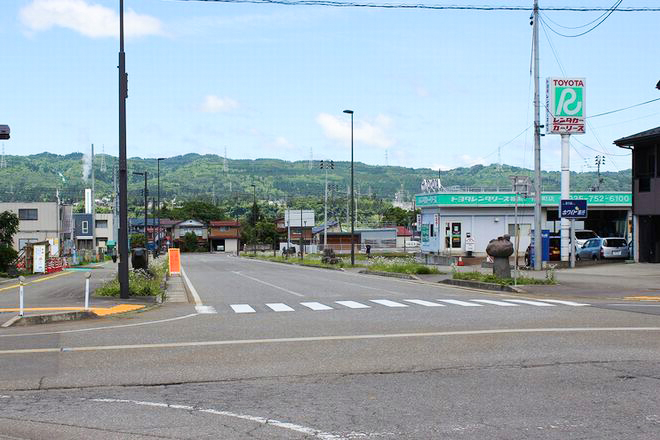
column 525, row 229
column 28, row 214
column 102, row 224
column 84, row 226
column 23, row 241
column 644, row 184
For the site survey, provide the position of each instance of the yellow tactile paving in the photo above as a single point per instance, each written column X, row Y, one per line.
column 643, row 298
column 101, row 311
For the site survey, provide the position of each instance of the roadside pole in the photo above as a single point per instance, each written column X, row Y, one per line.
column 573, row 243
column 21, row 281
column 565, row 195
column 87, row 277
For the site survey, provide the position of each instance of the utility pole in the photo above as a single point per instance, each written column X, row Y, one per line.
column 123, row 178
column 328, row 164
column 93, row 209
column 537, row 144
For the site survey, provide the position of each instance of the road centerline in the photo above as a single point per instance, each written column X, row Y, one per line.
column 267, row 284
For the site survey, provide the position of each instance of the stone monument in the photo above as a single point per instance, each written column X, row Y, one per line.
column 501, row 249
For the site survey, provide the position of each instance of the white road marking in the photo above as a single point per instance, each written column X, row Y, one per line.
column 566, row 303
column 193, row 291
column 315, row 306
column 387, row 303
column 279, row 307
column 242, row 308
column 262, row 420
column 268, row 284
column 530, row 303
column 421, row 302
column 460, row 303
column 497, row 303
column 109, row 327
column 169, row 345
column 353, row 304
column 206, row 310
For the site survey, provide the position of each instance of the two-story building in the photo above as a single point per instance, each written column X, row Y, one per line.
column 225, row 235
column 40, row 221
column 84, row 234
column 200, row 229
column 645, row 148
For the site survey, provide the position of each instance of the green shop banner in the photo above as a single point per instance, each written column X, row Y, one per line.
column 506, row 199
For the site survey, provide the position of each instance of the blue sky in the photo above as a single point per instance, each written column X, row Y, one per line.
column 429, row 88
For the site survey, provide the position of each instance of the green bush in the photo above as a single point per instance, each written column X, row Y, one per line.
column 490, row 278
column 140, row 282
column 401, row 265
column 137, row 241
column 7, row 257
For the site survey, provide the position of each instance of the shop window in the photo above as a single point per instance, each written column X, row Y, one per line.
column 644, row 184
column 84, row 226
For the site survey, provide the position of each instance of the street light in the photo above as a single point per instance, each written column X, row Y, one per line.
column 123, row 178
column 350, row 112
column 158, row 162
column 146, row 236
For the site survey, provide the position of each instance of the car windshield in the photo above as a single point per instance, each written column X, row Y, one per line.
column 615, row 242
column 585, row 235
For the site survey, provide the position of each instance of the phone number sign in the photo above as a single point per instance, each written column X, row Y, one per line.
column 573, row 208
column 565, row 106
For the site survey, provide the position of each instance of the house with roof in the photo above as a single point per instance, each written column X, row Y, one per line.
column 225, row 235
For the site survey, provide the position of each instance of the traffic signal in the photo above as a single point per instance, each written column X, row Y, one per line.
column 332, row 164
column 321, row 164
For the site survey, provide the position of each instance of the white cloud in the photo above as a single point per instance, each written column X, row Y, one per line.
column 90, row 20
column 214, row 104
column 440, row 167
column 281, row 143
column 370, row 133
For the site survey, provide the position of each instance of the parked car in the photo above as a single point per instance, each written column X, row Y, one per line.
column 601, row 248
column 581, row 236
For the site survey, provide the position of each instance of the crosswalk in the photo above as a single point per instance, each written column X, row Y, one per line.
column 387, row 303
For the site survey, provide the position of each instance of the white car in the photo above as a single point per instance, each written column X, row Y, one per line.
column 412, row 243
column 582, row 236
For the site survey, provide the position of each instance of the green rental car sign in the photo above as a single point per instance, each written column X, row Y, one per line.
column 565, row 105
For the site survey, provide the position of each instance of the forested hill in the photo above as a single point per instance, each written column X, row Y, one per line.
column 36, row 178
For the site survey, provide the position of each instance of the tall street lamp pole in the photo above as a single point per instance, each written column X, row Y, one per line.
column 159, row 238
column 350, row 112
column 123, row 178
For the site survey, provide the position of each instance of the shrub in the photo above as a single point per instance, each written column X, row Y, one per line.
column 140, row 282
column 491, row 278
column 7, row 257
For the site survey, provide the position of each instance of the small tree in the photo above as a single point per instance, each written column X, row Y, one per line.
column 189, row 242
column 137, row 241
column 266, row 232
column 8, row 228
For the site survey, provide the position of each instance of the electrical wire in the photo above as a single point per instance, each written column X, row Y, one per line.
column 622, row 109
column 588, row 30
column 583, row 25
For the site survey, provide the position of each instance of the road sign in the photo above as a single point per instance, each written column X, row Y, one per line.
column 573, row 209
column 565, row 106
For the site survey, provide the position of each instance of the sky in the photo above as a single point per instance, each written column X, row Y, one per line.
column 429, row 88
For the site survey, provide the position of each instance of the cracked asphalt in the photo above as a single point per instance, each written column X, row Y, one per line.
column 393, row 372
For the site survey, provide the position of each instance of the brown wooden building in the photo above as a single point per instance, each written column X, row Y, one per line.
column 645, row 148
column 225, row 235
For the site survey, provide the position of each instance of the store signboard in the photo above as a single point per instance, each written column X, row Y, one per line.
column 565, row 106
column 509, row 199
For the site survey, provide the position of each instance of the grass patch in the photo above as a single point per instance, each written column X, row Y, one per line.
column 140, row 282
column 313, row 260
column 490, row 278
column 401, row 265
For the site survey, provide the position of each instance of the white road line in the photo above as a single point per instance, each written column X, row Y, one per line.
column 206, row 310
column 315, row 306
column 262, row 420
column 268, row 284
column 421, row 302
column 460, row 303
column 353, row 304
column 566, row 303
column 530, row 303
column 170, row 345
column 387, row 303
column 242, row 308
column 193, row 292
column 496, row 303
column 279, row 307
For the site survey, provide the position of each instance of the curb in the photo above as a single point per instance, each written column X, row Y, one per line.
column 404, row 276
column 483, row 286
column 46, row 319
column 292, row 263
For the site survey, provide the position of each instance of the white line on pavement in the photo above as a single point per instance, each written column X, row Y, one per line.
column 530, row 303
column 206, row 310
column 267, row 284
column 242, row 308
column 262, row 420
column 566, row 303
column 169, row 345
column 279, row 307
column 353, row 304
column 316, row 306
column 387, row 303
column 460, row 303
column 196, row 298
column 421, row 302
column 497, row 303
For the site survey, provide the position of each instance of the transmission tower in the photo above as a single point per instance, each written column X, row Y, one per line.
column 3, row 162
column 311, row 159
column 224, row 163
column 102, row 166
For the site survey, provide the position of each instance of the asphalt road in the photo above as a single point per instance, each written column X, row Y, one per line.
column 279, row 351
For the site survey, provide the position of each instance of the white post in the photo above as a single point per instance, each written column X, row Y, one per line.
column 21, row 281
column 565, row 194
column 515, row 273
column 325, row 212
column 87, row 277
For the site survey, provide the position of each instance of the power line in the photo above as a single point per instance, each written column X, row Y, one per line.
column 622, row 109
column 339, row 4
column 607, row 15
